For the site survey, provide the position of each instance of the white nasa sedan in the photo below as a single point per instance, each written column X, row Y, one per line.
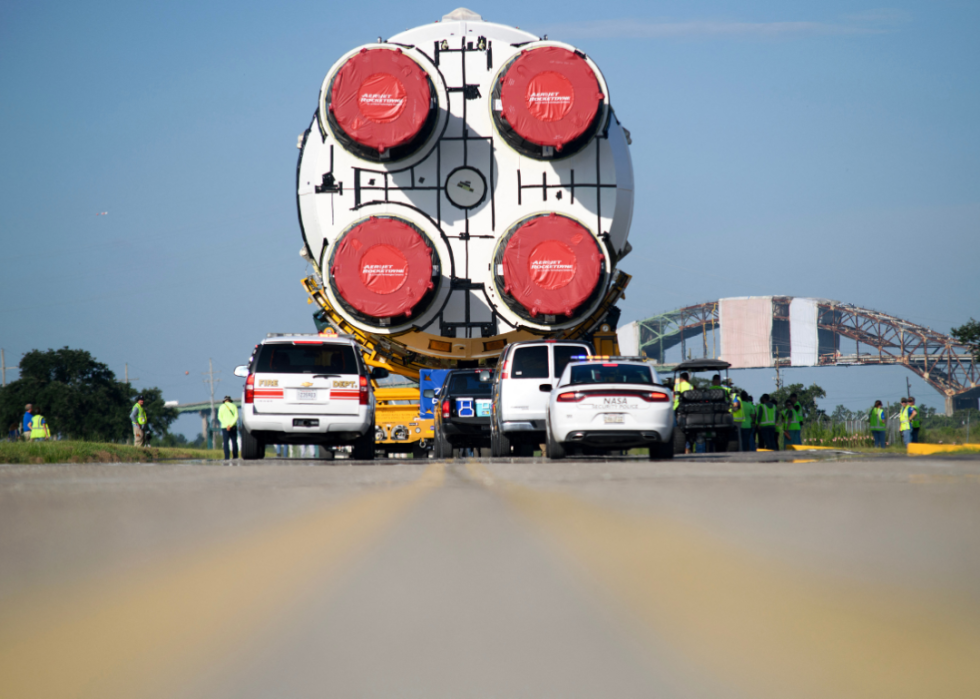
column 610, row 403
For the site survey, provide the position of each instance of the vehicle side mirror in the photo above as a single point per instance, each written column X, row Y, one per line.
column 428, row 393
column 241, row 371
column 379, row 373
column 545, row 388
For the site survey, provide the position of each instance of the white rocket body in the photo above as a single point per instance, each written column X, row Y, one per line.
column 439, row 210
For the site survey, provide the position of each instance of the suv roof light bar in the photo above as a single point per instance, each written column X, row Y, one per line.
column 605, row 358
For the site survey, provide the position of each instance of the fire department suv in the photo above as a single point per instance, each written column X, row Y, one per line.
column 610, row 403
column 308, row 389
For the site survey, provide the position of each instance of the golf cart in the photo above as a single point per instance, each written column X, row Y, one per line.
column 704, row 414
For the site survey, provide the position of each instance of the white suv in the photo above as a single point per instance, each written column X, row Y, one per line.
column 525, row 375
column 308, row 389
column 610, row 403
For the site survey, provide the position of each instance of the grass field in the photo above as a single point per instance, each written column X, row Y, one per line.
column 61, row 452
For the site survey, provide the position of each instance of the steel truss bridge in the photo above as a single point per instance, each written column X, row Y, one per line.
column 876, row 338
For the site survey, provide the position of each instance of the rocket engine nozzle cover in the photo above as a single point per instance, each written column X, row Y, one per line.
column 551, row 265
column 550, row 96
column 382, row 267
column 380, row 98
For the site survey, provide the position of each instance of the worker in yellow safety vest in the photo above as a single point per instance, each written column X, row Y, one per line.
column 680, row 386
column 228, row 417
column 746, row 433
column 915, row 419
column 794, row 420
column 716, row 382
column 138, row 417
column 39, row 427
column 877, row 424
column 766, row 413
column 905, row 422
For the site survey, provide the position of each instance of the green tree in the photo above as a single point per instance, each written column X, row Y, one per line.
column 807, row 398
column 841, row 413
column 79, row 397
column 969, row 335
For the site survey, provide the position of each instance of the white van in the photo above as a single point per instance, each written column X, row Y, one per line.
column 308, row 389
column 525, row 375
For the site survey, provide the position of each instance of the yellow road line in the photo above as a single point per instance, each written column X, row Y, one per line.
column 766, row 628
column 918, row 449
column 147, row 632
column 943, row 478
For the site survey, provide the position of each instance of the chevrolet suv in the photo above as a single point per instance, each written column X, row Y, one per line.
column 522, row 384
column 308, row 389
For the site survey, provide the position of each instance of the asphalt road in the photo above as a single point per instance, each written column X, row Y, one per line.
column 815, row 575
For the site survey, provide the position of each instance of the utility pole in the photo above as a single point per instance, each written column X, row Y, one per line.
column 211, row 381
column 3, row 366
column 126, row 373
column 779, row 379
column 908, row 388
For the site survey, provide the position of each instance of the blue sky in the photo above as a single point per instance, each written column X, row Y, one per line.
column 811, row 149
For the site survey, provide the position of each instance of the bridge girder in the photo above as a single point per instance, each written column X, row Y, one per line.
column 879, row 339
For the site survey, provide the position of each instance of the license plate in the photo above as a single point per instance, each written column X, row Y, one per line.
column 614, row 419
column 307, row 395
column 483, row 408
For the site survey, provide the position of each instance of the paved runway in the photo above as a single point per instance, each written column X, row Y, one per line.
column 766, row 575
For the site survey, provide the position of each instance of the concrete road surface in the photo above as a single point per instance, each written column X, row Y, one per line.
column 801, row 575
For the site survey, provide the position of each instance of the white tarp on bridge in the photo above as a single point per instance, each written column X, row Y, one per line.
column 746, row 331
column 629, row 339
column 803, row 345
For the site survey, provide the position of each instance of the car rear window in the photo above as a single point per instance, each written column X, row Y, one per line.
column 307, row 359
column 530, row 363
column 469, row 384
column 610, row 373
column 564, row 354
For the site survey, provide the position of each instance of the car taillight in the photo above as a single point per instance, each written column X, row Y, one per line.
column 445, row 408
column 250, row 389
column 363, row 397
column 505, row 370
column 654, row 397
column 573, row 397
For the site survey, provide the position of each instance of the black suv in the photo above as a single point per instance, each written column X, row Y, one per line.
column 462, row 412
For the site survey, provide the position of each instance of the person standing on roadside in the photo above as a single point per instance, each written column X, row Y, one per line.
column 766, row 414
column 681, row 385
column 876, row 421
column 793, row 420
column 25, row 427
column 746, row 435
column 905, row 422
column 39, row 427
column 137, row 416
column 914, row 419
column 228, row 417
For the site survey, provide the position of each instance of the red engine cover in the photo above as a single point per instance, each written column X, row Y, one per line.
column 382, row 267
column 552, row 264
column 380, row 98
column 550, row 95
